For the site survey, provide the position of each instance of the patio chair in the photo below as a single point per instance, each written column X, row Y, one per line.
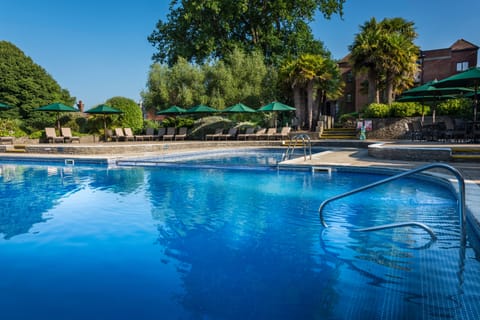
column 182, row 134
column 130, row 136
column 270, row 133
column 218, row 133
column 149, row 134
column 170, row 134
column 120, row 135
column 283, row 134
column 160, row 133
column 232, row 132
column 52, row 136
column 250, row 131
column 67, row 135
column 260, row 132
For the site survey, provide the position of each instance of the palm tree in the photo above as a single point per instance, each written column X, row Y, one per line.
column 365, row 55
column 386, row 53
column 310, row 75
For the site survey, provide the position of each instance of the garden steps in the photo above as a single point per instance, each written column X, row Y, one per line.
column 466, row 154
column 339, row 133
column 16, row 148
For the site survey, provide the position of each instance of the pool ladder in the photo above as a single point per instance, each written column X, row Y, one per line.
column 305, row 142
column 460, row 197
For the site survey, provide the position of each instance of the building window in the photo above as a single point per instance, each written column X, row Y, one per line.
column 349, row 97
column 349, row 77
column 462, row 66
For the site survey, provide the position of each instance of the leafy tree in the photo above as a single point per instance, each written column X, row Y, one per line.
column 239, row 77
column 386, row 53
column 26, row 86
column 201, row 29
column 131, row 117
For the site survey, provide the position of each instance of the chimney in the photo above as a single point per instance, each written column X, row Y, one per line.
column 80, row 105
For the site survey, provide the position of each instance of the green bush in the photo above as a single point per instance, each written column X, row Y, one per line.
column 11, row 128
column 377, row 110
column 461, row 108
column 131, row 117
column 406, row 109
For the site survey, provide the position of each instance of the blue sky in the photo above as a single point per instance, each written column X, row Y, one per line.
column 99, row 49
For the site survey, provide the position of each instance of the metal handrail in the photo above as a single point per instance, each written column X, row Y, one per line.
column 458, row 175
column 402, row 224
column 293, row 142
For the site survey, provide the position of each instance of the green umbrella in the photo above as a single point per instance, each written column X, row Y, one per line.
column 172, row 110
column 4, row 106
column 104, row 109
column 57, row 108
column 201, row 109
column 425, row 98
column 238, row 108
column 275, row 107
column 428, row 92
column 469, row 78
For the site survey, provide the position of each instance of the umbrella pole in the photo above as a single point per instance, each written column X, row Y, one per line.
column 104, row 128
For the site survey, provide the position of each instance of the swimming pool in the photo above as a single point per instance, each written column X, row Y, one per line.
column 188, row 243
column 238, row 157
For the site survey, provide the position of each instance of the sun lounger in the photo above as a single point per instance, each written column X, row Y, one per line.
column 182, row 134
column 260, row 132
column 130, row 136
column 218, row 133
column 120, row 135
column 232, row 132
column 52, row 136
column 160, row 133
column 170, row 134
column 270, row 133
column 283, row 134
column 149, row 134
column 248, row 133
column 67, row 135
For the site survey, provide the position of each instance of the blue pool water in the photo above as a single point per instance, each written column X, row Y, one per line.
column 236, row 157
column 170, row 243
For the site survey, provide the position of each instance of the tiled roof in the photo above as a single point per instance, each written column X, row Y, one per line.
column 462, row 44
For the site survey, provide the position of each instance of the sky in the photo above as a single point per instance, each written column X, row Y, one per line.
column 99, row 49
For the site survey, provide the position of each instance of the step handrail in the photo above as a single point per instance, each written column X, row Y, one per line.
column 293, row 142
column 458, row 175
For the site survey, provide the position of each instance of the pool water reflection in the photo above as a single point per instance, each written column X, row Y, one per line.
column 170, row 243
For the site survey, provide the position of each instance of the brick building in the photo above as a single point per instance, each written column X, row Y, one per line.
column 434, row 64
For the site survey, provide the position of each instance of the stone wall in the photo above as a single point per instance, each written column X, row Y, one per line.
column 394, row 128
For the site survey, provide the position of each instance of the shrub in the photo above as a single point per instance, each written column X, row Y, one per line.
column 456, row 107
column 131, row 117
column 405, row 109
column 11, row 127
column 377, row 110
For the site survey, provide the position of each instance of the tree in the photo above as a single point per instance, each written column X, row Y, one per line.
column 239, row 77
column 131, row 117
column 26, row 86
column 386, row 53
column 315, row 77
column 201, row 29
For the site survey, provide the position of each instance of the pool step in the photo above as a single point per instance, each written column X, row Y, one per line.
column 16, row 148
column 466, row 154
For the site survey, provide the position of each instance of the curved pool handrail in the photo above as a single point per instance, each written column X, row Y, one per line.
column 401, row 224
column 293, row 142
column 458, row 175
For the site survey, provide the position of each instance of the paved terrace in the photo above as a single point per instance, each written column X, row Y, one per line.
column 351, row 153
